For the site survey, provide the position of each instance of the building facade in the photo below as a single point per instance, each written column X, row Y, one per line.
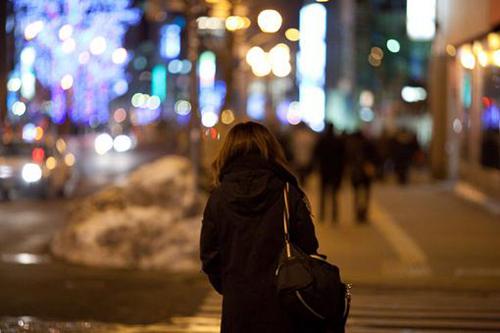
column 465, row 93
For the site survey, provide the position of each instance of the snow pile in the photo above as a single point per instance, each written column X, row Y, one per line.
column 146, row 223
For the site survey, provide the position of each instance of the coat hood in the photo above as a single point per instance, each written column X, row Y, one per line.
column 251, row 184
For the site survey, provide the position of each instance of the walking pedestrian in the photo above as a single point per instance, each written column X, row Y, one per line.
column 329, row 157
column 242, row 231
column 404, row 148
column 362, row 161
column 302, row 142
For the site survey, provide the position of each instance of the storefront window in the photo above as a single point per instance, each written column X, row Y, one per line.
column 490, row 119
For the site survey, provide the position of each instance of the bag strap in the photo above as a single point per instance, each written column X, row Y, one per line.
column 286, row 219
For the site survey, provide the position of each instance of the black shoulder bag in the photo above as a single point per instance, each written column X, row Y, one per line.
column 308, row 286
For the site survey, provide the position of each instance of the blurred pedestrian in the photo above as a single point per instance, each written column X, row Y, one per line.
column 404, row 148
column 302, row 142
column 329, row 157
column 383, row 147
column 242, row 232
column 362, row 161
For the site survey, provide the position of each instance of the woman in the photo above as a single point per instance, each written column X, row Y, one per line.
column 242, row 232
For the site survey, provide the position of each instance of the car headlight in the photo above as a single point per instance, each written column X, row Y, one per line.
column 31, row 173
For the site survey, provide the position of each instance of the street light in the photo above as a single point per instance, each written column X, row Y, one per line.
column 269, row 20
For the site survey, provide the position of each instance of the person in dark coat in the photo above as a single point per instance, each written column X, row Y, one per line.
column 242, row 233
column 329, row 157
column 362, row 160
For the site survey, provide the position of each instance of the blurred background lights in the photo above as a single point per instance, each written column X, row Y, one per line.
column 119, row 56
column 269, row 20
column 61, row 145
column 182, row 107
column 451, row 50
column 366, row 114
column 262, row 67
column 69, row 159
column 83, row 57
column 467, row 58
column 28, row 85
column 122, row 143
column 103, row 143
column 421, row 19
column 280, row 53
column 98, row 45
column 496, row 58
column 153, row 102
column 51, row 163
column 28, row 56
column 67, row 81
column 29, row 132
column 14, row 84
column 65, row 32
column 69, row 45
column 377, row 53
column 175, row 66
column 493, row 40
column 140, row 63
column 170, row 41
column 33, row 29
column 393, row 46
column 139, row 100
column 281, row 69
column 373, row 61
column 227, row 117
column 120, row 87
column 293, row 115
column 482, row 58
column 254, row 55
column 292, row 34
column 234, row 23
column 120, row 115
column 366, row 99
column 311, row 65
column 209, row 118
column 186, row 66
column 31, row 173
column 39, row 133
column 413, row 94
column 18, row 108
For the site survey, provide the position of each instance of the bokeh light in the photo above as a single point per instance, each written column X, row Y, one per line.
column 292, row 34
column 98, row 45
column 227, row 117
column 269, row 20
column 393, row 46
column 182, row 107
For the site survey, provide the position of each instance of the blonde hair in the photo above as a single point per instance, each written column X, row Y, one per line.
column 245, row 138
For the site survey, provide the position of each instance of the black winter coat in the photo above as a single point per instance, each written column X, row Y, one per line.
column 242, row 239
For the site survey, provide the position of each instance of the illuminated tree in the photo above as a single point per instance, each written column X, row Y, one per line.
column 74, row 49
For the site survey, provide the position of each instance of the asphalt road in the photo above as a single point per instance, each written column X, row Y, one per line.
column 32, row 283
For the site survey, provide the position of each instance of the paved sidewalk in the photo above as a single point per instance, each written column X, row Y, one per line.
column 419, row 235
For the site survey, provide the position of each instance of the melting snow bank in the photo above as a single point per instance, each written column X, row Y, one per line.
column 149, row 222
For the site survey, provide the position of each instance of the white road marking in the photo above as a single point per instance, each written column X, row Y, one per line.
column 409, row 252
column 470, row 193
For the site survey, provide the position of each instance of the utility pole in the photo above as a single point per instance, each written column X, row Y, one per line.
column 3, row 64
column 192, row 10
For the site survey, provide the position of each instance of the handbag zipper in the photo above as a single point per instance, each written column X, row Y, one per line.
column 307, row 305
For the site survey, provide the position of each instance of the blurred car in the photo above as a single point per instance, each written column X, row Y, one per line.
column 34, row 167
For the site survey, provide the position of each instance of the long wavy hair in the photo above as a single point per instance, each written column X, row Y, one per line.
column 248, row 138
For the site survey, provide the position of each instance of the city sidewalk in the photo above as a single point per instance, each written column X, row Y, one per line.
column 423, row 235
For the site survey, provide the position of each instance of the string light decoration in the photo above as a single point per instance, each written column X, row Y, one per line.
column 78, row 53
